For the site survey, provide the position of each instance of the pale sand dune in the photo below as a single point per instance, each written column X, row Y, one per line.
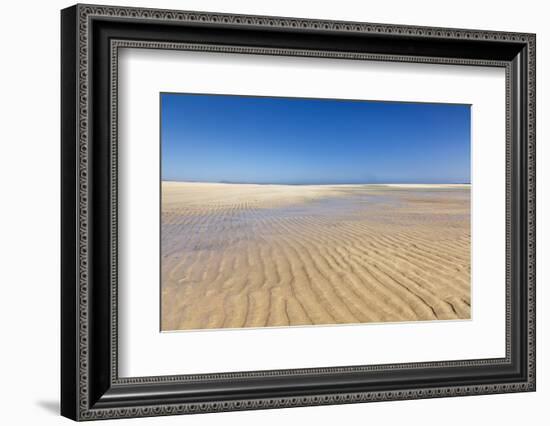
column 236, row 255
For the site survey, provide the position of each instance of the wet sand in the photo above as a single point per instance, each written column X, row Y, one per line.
column 239, row 255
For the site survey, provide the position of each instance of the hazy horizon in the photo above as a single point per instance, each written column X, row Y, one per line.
column 296, row 141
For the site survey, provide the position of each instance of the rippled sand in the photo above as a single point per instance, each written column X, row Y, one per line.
column 236, row 255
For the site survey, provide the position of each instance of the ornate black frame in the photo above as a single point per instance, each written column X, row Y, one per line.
column 91, row 37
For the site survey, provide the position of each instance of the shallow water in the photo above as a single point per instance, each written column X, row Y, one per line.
column 377, row 206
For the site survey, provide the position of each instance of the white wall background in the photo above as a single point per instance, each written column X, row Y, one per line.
column 29, row 212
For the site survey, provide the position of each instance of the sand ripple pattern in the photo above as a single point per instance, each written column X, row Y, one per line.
column 238, row 256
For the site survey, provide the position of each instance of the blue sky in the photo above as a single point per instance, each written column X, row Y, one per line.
column 220, row 138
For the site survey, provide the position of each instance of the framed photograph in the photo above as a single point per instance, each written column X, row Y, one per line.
column 263, row 212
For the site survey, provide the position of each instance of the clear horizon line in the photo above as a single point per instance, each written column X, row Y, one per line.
column 312, row 183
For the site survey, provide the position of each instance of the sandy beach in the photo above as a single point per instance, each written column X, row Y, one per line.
column 244, row 255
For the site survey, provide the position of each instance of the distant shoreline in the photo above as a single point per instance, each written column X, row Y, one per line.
column 394, row 184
